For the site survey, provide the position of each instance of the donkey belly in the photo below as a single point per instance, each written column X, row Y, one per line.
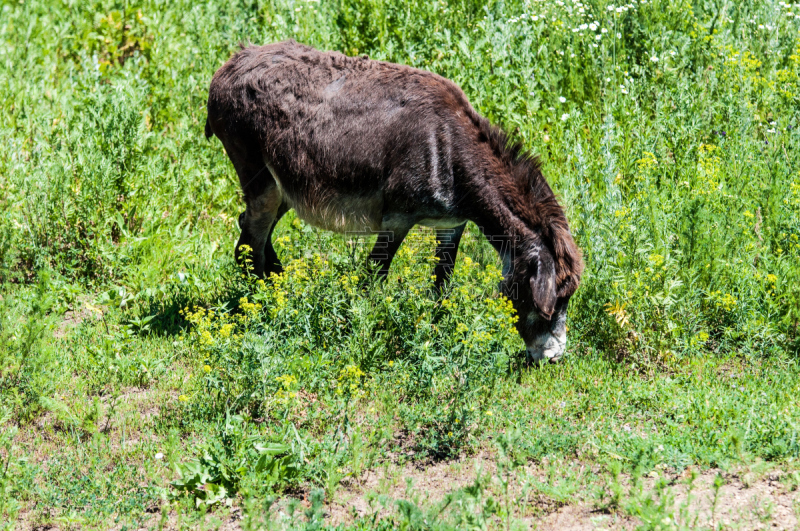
column 326, row 207
column 340, row 213
column 340, row 210
column 442, row 223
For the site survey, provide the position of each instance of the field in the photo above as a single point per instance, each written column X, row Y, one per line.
column 146, row 382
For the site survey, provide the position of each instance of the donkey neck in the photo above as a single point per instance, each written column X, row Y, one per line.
column 509, row 233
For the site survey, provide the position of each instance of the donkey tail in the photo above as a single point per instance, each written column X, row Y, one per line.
column 209, row 132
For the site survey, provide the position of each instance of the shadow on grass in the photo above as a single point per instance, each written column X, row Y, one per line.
column 162, row 314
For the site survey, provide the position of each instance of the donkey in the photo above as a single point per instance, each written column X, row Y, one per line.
column 354, row 144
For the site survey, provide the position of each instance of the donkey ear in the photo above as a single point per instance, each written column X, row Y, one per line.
column 543, row 284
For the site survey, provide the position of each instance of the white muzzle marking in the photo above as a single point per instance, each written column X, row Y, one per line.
column 548, row 347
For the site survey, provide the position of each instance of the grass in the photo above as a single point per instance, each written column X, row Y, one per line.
column 144, row 381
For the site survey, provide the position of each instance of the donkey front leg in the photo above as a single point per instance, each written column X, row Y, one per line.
column 448, row 240
column 385, row 248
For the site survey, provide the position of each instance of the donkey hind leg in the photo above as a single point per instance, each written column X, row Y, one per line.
column 257, row 223
column 448, row 240
column 272, row 263
column 385, row 248
column 263, row 199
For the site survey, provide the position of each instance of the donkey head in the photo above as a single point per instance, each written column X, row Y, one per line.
column 540, row 286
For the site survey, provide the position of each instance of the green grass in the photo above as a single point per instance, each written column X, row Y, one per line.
column 144, row 381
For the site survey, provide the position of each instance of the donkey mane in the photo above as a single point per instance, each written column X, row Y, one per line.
column 531, row 199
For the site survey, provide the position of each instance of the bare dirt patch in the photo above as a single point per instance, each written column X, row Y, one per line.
column 424, row 486
column 81, row 311
column 742, row 502
column 746, row 500
column 582, row 517
column 377, row 490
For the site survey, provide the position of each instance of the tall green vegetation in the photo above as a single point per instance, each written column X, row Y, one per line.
column 668, row 129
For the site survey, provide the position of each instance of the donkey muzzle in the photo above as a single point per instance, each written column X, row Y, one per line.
column 547, row 347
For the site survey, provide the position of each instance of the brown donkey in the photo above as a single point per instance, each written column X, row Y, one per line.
column 358, row 145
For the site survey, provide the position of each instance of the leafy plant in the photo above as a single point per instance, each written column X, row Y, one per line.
column 25, row 360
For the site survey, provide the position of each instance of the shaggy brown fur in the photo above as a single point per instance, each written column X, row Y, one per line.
column 353, row 144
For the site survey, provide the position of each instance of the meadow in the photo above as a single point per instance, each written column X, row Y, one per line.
column 146, row 382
